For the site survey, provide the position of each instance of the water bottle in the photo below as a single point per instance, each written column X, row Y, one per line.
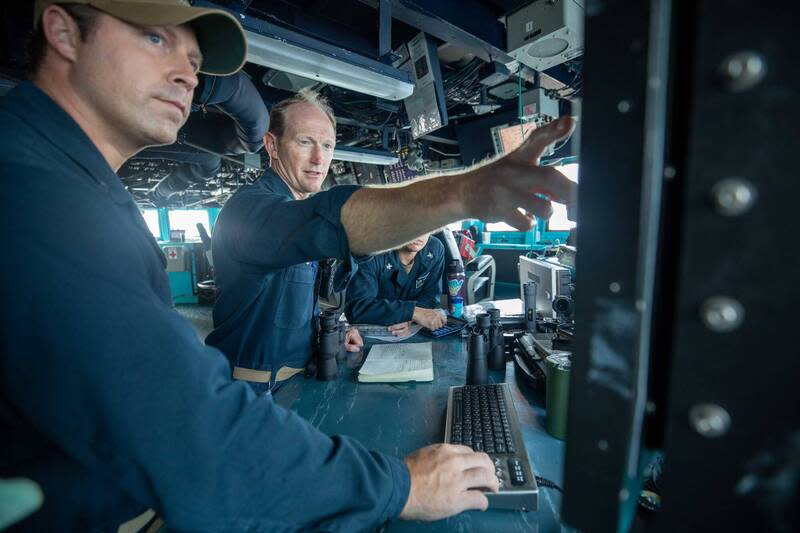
column 455, row 288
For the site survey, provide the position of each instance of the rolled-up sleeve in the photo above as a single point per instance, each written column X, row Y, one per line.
column 269, row 231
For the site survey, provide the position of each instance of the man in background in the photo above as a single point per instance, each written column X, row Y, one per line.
column 266, row 313
column 399, row 287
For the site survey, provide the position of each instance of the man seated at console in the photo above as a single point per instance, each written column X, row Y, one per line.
column 399, row 287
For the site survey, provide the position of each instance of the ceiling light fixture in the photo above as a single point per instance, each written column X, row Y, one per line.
column 363, row 155
column 302, row 61
column 289, row 51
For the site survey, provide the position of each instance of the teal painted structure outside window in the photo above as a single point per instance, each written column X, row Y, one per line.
column 182, row 284
column 538, row 238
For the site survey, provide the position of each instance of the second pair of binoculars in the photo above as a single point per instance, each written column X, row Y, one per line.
column 330, row 347
column 486, row 347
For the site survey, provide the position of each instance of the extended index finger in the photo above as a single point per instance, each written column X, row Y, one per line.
column 538, row 141
column 553, row 184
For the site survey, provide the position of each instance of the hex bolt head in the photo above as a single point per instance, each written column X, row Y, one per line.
column 722, row 314
column 733, row 196
column 743, row 70
column 709, row 420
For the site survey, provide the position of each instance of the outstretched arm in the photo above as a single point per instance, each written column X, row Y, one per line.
column 505, row 189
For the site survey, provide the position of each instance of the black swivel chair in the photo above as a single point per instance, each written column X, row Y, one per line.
column 206, row 289
column 206, row 240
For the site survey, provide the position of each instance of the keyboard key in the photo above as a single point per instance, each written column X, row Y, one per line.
column 515, row 470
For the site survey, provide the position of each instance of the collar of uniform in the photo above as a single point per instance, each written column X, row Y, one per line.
column 424, row 257
column 399, row 274
column 36, row 108
column 273, row 183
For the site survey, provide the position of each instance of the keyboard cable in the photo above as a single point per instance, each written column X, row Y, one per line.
column 544, row 482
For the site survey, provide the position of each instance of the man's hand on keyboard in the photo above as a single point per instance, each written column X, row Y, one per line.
column 447, row 479
column 352, row 340
column 429, row 318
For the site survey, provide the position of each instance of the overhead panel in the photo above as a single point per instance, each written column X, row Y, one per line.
column 279, row 48
column 426, row 108
column 545, row 34
column 466, row 23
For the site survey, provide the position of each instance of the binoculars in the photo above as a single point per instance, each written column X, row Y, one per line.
column 329, row 346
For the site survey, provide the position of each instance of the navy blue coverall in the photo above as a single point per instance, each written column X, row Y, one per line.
column 381, row 291
column 265, row 314
column 109, row 401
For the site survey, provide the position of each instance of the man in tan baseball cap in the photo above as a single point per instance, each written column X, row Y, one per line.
column 126, row 70
column 218, row 33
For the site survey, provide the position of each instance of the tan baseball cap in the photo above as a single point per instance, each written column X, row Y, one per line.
column 218, row 33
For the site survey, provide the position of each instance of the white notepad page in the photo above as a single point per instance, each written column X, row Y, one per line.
column 399, row 362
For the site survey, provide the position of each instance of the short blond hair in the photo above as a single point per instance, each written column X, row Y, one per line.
column 277, row 116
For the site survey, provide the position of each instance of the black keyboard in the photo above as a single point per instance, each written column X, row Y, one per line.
column 454, row 325
column 483, row 417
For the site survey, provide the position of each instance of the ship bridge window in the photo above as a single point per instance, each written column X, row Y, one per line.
column 559, row 221
column 151, row 219
column 187, row 219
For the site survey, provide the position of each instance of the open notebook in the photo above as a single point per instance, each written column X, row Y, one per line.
column 391, row 363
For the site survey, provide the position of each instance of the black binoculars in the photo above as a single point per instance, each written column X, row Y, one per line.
column 329, row 346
